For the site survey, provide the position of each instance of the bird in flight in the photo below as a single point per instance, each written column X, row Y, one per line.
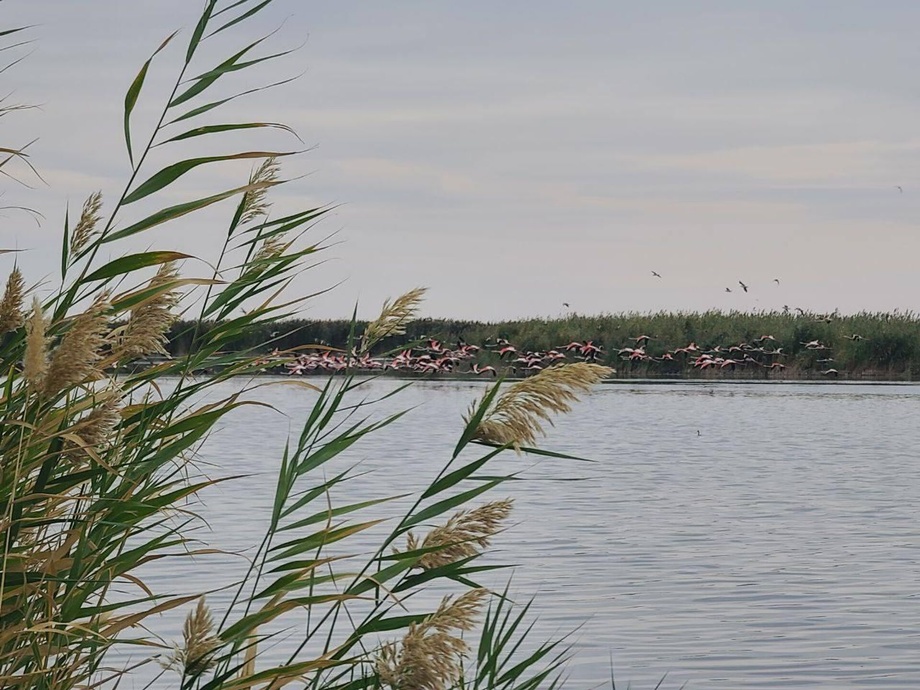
column 898, row 187
column 656, row 274
column 565, row 304
column 728, row 289
column 776, row 280
column 743, row 286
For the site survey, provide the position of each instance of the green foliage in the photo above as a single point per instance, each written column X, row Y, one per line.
column 888, row 345
column 98, row 461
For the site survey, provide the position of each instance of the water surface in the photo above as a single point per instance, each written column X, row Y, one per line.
column 730, row 535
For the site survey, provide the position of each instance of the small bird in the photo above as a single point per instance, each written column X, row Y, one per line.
column 776, row 280
column 898, row 187
column 830, row 372
column 565, row 304
column 855, row 336
column 657, row 275
column 728, row 289
column 743, row 286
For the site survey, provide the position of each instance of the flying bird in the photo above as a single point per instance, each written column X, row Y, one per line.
column 565, row 304
column 656, row 274
column 898, row 187
column 728, row 289
column 743, row 286
column 776, row 280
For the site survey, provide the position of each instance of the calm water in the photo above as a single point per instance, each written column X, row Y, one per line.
column 779, row 546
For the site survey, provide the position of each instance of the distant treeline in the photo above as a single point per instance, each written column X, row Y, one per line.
column 863, row 345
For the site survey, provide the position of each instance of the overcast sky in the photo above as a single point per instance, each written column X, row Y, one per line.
column 514, row 156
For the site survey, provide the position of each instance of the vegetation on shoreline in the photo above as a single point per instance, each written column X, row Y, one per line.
column 865, row 345
column 100, row 462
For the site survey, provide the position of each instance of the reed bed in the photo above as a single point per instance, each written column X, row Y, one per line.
column 100, row 461
column 888, row 346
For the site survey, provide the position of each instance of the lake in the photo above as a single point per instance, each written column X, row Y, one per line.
column 728, row 535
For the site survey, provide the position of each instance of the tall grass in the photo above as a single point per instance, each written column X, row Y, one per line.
column 888, row 346
column 98, row 462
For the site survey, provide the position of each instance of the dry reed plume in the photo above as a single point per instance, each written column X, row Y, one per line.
column 96, row 428
column 430, row 653
column 393, row 318
column 255, row 204
column 516, row 417
column 35, row 361
column 462, row 536
column 11, row 316
column 145, row 332
column 76, row 357
column 86, row 227
column 198, row 643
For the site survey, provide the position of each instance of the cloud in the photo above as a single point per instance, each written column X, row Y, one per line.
column 805, row 163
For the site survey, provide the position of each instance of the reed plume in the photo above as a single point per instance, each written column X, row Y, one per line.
column 145, row 332
column 11, row 316
column 74, row 360
column 85, row 228
column 35, row 361
column 393, row 318
column 255, row 204
column 462, row 536
column 198, row 643
column 429, row 655
column 517, row 415
column 96, row 428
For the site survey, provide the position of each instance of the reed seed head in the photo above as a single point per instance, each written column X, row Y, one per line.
column 35, row 361
column 429, row 656
column 255, row 204
column 462, row 536
column 11, row 316
column 86, row 227
column 96, row 428
column 145, row 332
column 517, row 416
column 75, row 358
column 393, row 318
column 198, row 643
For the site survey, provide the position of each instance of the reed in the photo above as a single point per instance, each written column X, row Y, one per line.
column 99, row 460
column 888, row 346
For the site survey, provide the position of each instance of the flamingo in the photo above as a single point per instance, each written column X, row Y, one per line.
column 476, row 369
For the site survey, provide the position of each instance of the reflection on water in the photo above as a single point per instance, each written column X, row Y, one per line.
column 729, row 535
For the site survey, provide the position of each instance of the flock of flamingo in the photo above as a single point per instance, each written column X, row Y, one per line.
column 434, row 357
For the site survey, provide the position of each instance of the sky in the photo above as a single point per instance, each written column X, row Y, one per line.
column 516, row 156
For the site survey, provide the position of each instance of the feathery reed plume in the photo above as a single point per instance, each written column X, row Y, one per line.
column 96, row 428
column 515, row 417
column 254, row 201
column 462, row 536
column 393, row 318
column 11, row 316
column 74, row 360
column 145, row 332
column 270, row 248
column 35, row 361
column 86, row 227
column 429, row 655
column 198, row 643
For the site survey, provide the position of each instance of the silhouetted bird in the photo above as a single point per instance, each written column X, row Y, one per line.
column 728, row 289
column 898, row 187
column 776, row 280
column 657, row 275
column 743, row 286
column 565, row 304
